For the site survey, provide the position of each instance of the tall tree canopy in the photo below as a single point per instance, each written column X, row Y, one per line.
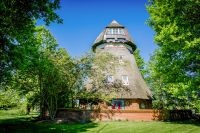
column 175, row 65
column 47, row 76
column 18, row 24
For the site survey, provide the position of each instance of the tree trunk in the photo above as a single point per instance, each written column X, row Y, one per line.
column 43, row 108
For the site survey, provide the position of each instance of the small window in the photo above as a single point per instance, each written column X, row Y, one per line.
column 142, row 106
column 109, row 31
column 125, row 80
column 115, row 31
column 121, row 57
column 110, row 39
column 121, row 39
column 121, row 31
column 110, row 79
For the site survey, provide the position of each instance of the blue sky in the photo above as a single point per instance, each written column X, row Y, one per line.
column 85, row 19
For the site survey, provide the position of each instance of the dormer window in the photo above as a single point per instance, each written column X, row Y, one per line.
column 115, row 31
column 109, row 31
column 125, row 80
column 110, row 79
column 121, row 57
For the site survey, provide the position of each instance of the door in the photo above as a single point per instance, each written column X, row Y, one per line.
column 118, row 104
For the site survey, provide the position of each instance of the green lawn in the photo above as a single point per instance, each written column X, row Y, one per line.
column 11, row 123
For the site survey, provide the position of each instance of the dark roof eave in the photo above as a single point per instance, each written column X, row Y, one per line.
column 131, row 44
column 128, row 98
column 115, row 27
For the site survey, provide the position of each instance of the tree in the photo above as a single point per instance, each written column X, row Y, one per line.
column 8, row 99
column 175, row 65
column 35, row 69
column 48, row 76
column 17, row 26
column 140, row 62
column 80, row 69
column 97, row 88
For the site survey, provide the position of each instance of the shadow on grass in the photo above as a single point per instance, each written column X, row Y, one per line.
column 25, row 125
column 186, row 122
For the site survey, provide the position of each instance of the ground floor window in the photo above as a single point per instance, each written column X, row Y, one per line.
column 118, row 104
column 142, row 105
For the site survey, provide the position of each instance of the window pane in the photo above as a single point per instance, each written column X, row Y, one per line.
column 108, row 31
column 125, row 80
column 110, row 78
column 121, row 57
column 121, row 31
column 115, row 31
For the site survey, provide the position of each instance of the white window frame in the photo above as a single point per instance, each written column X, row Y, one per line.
column 115, row 31
column 121, row 31
column 125, row 81
column 110, row 79
column 108, row 31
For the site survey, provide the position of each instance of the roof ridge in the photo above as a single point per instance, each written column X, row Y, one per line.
column 114, row 23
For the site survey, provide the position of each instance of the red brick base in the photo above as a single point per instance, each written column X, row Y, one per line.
column 109, row 115
column 74, row 115
column 130, row 115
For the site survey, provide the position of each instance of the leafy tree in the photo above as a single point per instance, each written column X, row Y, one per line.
column 36, row 66
column 175, row 69
column 97, row 88
column 8, row 99
column 78, row 76
column 48, row 76
column 17, row 26
column 140, row 62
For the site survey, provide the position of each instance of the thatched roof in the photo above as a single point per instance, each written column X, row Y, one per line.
column 137, row 88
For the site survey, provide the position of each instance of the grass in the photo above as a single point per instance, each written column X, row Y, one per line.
column 11, row 122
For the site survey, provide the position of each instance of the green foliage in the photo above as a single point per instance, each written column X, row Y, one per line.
column 174, row 67
column 12, row 103
column 97, row 88
column 17, row 27
column 8, row 99
column 48, row 77
column 140, row 62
